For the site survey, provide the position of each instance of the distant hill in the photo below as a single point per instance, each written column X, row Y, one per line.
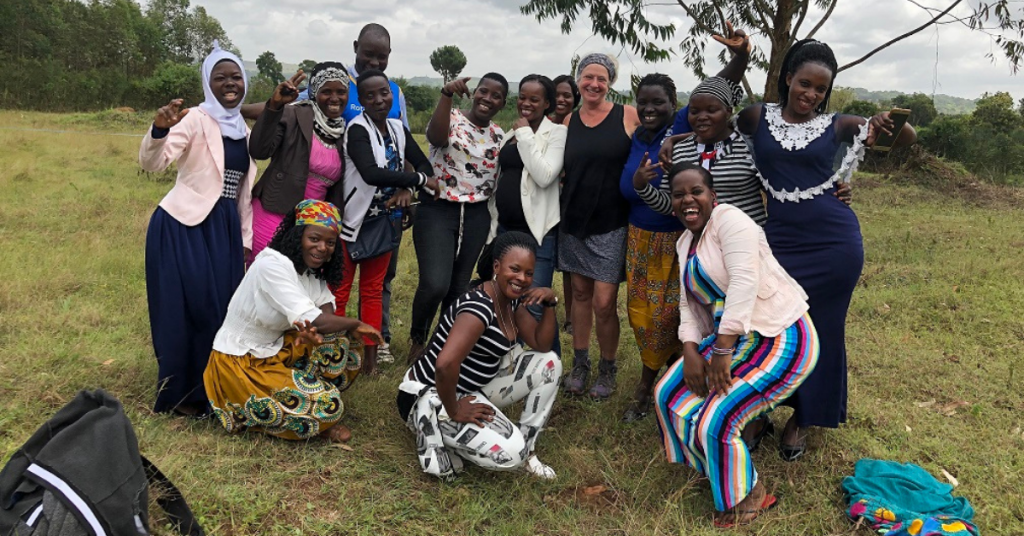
column 945, row 104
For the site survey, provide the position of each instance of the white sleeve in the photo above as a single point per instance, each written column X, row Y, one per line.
column 279, row 284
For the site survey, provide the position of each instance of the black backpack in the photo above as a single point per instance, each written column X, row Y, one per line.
column 81, row 474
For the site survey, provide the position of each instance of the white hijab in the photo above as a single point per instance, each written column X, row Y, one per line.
column 231, row 122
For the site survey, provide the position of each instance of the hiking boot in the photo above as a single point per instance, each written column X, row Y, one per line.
column 576, row 381
column 604, row 385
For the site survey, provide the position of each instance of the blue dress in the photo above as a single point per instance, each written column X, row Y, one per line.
column 816, row 238
column 191, row 274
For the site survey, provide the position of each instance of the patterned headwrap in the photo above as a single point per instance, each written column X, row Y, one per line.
column 603, row 60
column 728, row 92
column 329, row 130
column 316, row 212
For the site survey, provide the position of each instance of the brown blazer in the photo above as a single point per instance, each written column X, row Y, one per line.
column 284, row 136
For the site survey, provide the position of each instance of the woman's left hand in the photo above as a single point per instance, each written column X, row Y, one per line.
column 400, row 199
column 879, row 123
column 734, row 39
column 540, row 295
column 366, row 330
column 720, row 373
column 843, row 193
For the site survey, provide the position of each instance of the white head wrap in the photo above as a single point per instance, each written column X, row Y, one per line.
column 231, row 122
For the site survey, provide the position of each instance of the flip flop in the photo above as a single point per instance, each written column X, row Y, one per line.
column 769, row 502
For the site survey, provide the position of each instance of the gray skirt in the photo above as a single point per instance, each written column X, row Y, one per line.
column 600, row 257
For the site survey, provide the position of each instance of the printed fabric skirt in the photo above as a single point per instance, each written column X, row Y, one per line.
column 652, row 294
column 295, row 394
column 600, row 257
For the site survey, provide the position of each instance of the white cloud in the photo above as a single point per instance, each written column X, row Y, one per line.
column 496, row 37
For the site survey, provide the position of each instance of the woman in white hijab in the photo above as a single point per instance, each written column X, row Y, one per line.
column 201, row 232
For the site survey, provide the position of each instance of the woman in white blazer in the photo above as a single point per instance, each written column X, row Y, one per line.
column 530, row 160
column 748, row 343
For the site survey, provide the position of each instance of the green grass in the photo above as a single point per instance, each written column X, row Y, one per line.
column 935, row 321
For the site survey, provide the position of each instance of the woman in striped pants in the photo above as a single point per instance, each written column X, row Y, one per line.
column 748, row 343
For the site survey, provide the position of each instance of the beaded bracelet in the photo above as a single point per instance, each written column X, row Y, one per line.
column 721, row 351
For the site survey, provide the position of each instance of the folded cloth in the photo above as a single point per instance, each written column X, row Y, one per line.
column 898, row 499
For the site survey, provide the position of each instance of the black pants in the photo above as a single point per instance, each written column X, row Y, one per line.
column 444, row 275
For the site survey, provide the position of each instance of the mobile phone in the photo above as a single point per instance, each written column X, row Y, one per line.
column 884, row 142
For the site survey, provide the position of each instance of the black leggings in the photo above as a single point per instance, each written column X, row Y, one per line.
column 444, row 275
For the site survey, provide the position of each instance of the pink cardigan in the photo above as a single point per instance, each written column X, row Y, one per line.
column 196, row 145
column 760, row 295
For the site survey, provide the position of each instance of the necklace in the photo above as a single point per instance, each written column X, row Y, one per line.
column 501, row 319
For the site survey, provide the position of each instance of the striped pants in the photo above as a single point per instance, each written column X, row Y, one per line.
column 705, row 433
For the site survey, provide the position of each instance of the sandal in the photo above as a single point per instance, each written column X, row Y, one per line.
column 769, row 502
column 638, row 410
column 767, row 429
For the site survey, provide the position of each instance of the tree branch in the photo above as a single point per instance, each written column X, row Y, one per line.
column 806, row 6
column 828, row 13
column 693, row 17
column 889, row 43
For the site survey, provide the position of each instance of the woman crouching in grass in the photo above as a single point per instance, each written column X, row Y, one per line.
column 271, row 369
column 748, row 343
column 473, row 366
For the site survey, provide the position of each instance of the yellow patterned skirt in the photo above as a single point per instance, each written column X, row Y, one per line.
column 652, row 290
column 295, row 394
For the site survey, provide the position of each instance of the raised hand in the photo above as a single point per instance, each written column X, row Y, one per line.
column 306, row 334
column 459, row 86
column 736, row 41
column 473, row 412
column 366, row 330
column 170, row 115
column 287, row 91
column 880, row 123
column 645, row 173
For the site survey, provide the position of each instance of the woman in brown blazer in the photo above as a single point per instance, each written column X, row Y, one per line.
column 303, row 141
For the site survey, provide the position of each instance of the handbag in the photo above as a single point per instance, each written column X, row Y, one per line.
column 377, row 236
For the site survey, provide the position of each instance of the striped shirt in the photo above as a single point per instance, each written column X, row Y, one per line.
column 484, row 359
column 736, row 179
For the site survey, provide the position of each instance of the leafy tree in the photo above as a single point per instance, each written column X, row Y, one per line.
column 922, row 108
column 269, row 67
column 307, row 66
column 420, row 98
column 173, row 80
column 260, row 89
column 778, row 22
column 861, row 107
column 841, row 98
column 996, row 110
column 448, row 61
column 187, row 35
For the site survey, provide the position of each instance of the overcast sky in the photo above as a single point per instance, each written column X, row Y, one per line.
column 495, row 36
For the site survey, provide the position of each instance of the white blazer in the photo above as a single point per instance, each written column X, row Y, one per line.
column 543, row 153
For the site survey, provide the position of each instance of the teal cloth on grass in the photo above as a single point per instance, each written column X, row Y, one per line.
column 898, row 499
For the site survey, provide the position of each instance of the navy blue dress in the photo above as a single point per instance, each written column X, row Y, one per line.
column 191, row 274
column 818, row 241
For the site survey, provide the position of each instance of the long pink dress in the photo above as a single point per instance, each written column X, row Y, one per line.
column 324, row 171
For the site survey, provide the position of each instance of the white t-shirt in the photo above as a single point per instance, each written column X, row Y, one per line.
column 270, row 298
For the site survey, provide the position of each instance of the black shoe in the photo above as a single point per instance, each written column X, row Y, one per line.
column 767, row 429
column 792, row 453
column 637, row 410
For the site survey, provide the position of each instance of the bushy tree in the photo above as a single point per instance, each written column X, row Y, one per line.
column 172, row 81
column 862, row 108
column 307, row 66
column 777, row 24
column 269, row 67
column 996, row 110
column 921, row 106
column 448, row 61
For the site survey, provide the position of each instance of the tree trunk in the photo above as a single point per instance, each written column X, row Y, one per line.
column 782, row 26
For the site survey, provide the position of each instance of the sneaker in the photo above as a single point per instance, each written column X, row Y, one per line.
column 576, row 381
column 604, row 385
column 384, row 354
column 538, row 469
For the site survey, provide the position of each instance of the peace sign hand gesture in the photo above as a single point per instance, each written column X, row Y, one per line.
column 168, row 116
column 645, row 173
column 736, row 41
column 287, row 91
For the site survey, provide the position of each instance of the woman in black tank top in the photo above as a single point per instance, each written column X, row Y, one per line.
column 592, row 233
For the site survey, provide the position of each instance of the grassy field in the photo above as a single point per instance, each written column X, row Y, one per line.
column 935, row 339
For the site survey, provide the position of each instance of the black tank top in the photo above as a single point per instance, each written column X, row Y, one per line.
column 594, row 159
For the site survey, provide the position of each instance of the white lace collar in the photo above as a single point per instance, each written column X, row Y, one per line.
column 851, row 160
column 795, row 136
